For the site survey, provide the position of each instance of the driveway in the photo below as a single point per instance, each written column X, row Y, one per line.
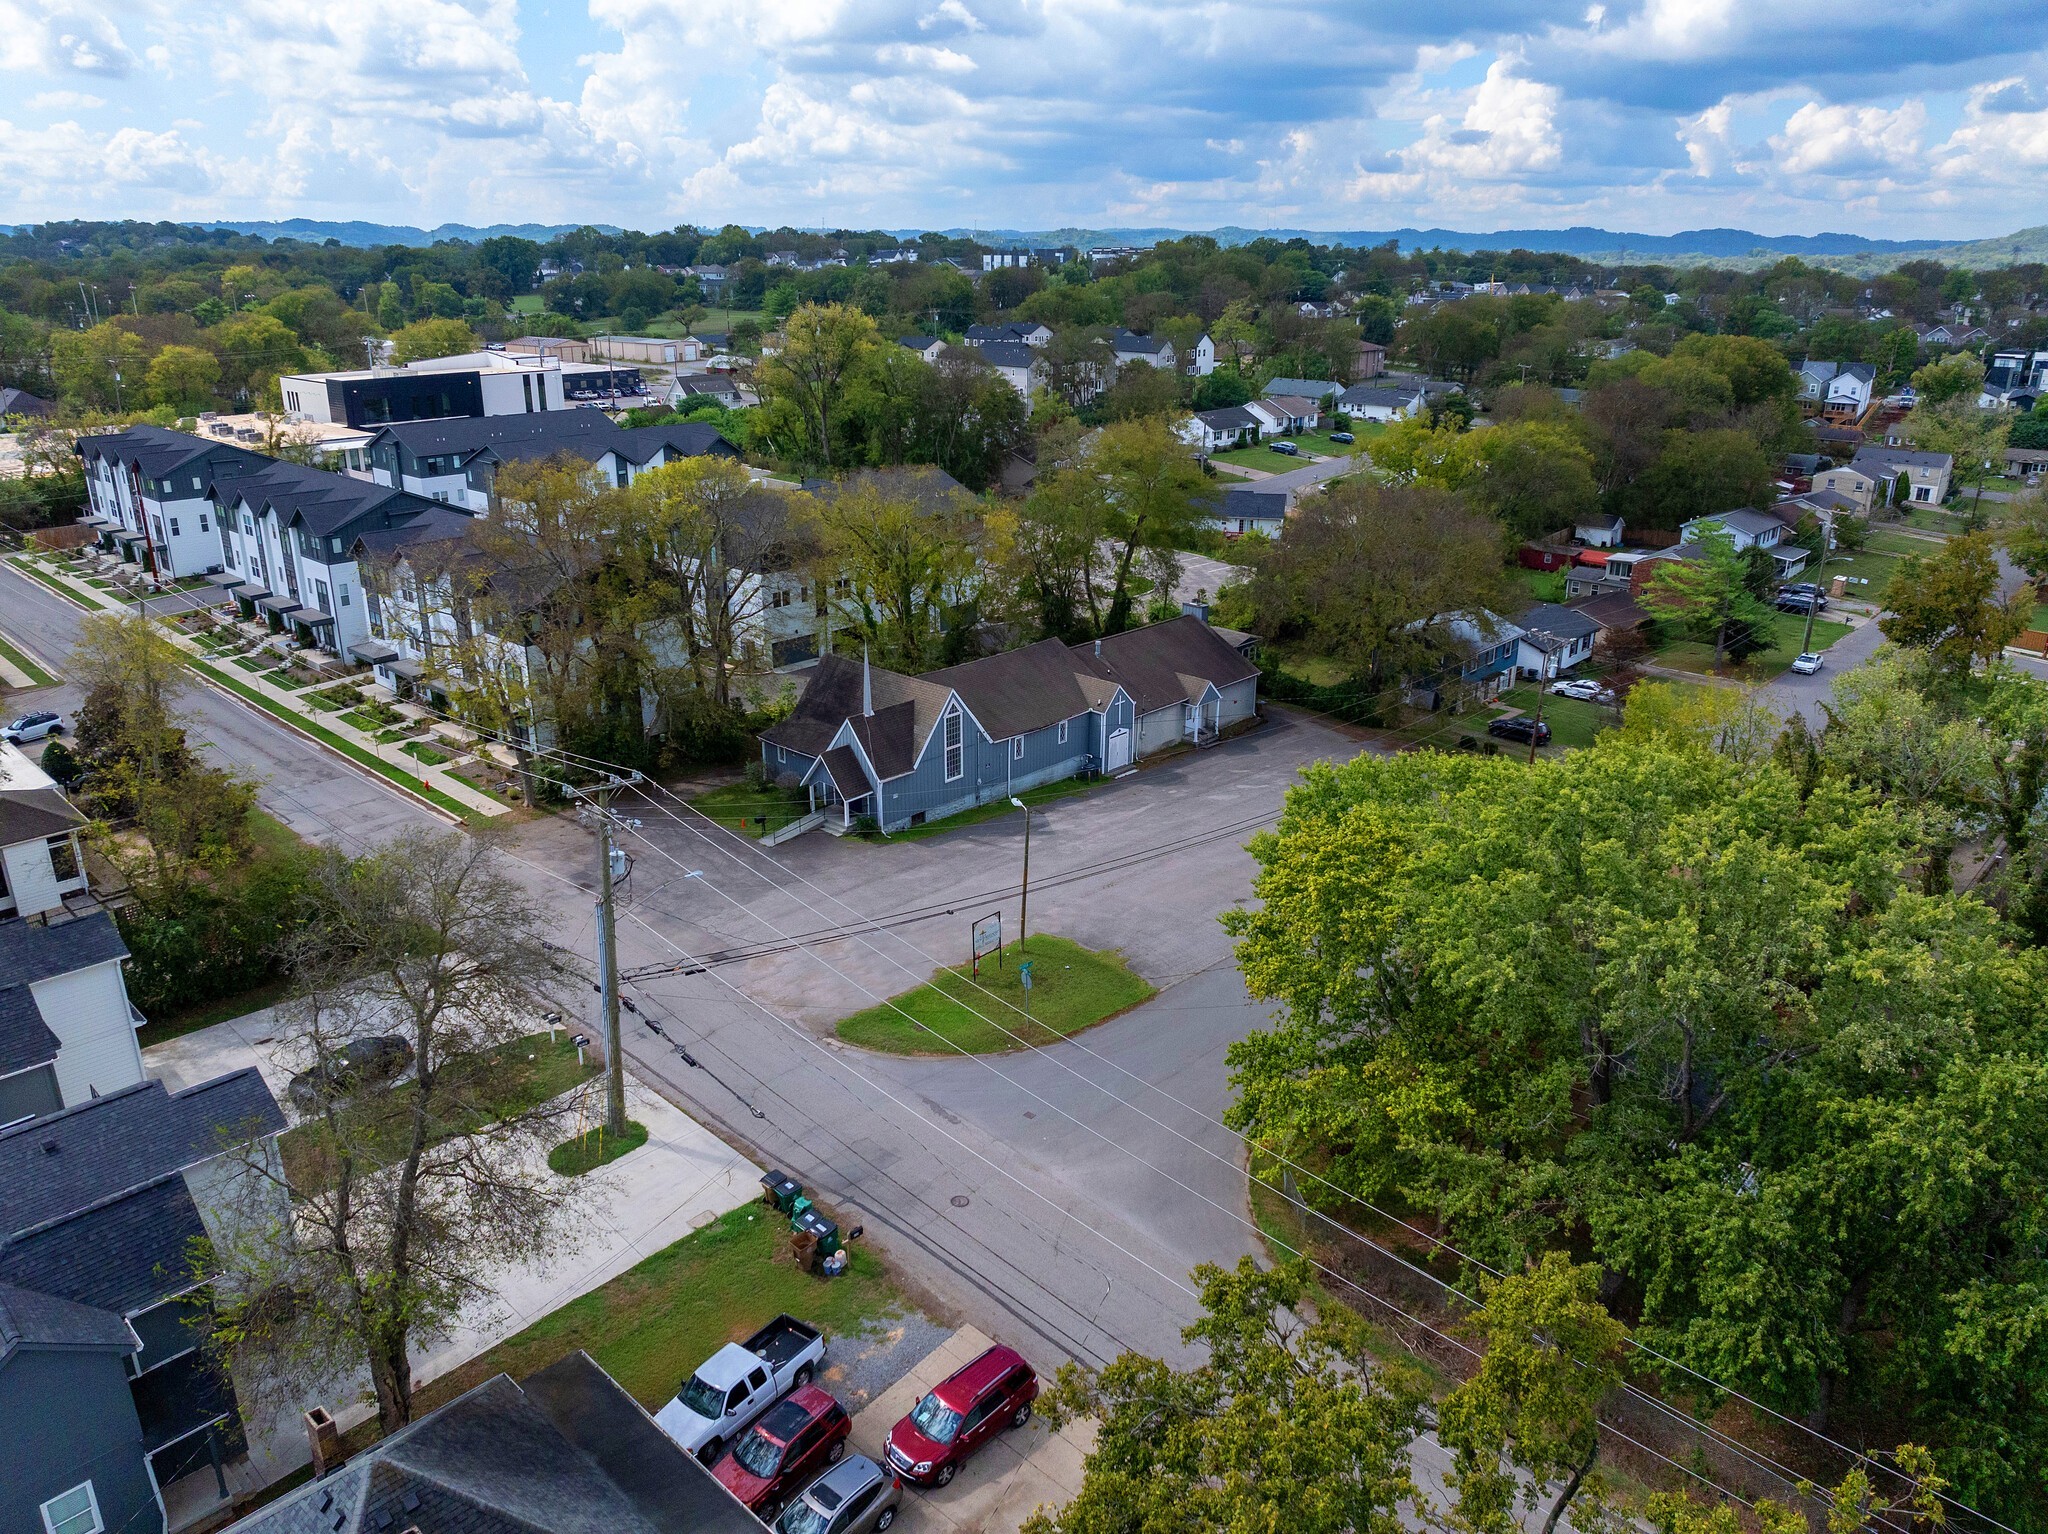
column 1014, row 1473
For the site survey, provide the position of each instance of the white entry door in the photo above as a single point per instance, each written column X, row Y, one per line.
column 1118, row 755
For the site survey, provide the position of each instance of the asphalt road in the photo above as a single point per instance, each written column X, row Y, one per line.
column 308, row 788
column 1057, row 1199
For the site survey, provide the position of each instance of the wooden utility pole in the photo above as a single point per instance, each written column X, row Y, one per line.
column 599, row 798
column 1024, row 900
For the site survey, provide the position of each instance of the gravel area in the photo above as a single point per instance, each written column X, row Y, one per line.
column 860, row 1367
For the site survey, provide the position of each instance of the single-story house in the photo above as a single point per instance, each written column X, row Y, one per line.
column 2023, row 461
column 1610, row 611
column 1599, row 532
column 1250, row 510
column 1284, row 413
column 1368, row 402
column 1214, row 431
column 927, row 347
column 1752, row 529
column 1318, row 389
column 868, row 743
column 1554, row 639
column 566, row 1449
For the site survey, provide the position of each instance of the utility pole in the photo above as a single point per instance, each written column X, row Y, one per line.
column 1827, row 530
column 1024, row 902
column 598, row 799
column 1536, row 730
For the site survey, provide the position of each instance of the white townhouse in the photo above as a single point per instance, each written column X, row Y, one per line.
column 41, row 863
column 457, row 461
column 285, row 540
column 1153, row 351
column 1202, row 357
column 1837, row 387
column 148, row 495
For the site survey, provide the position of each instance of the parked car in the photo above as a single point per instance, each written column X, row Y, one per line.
column 740, row 1381
column 33, row 727
column 1585, row 689
column 1343, row 436
column 1801, row 602
column 856, row 1496
column 1522, row 728
column 800, row 1435
column 1806, row 664
column 358, row 1064
column 960, row 1414
column 1289, row 448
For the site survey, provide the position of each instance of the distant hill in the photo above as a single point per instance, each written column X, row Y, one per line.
column 315, row 231
column 1581, row 241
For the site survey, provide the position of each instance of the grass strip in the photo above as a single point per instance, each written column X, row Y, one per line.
column 1072, row 988
column 594, row 1148
column 27, row 667
column 61, row 588
column 353, row 752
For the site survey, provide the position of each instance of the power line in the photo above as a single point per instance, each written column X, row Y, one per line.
column 1714, row 1434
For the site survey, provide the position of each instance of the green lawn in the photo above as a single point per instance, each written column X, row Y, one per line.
column 1869, row 571
column 509, row 1079
column 651, row 1325
column 1072, row 988
column 995, row 809
column 1544, row 585
column 743, row 807
column 527, row 303
column 28, row 668
column 1900, row 543
column 594, row 1148
column 1788, row 628
column 426, row 755
column 1573, row 721
column 1316, row 670
column 1260, row 456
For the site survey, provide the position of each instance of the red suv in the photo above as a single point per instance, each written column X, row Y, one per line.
column 782, row 1453
column 964, row 1412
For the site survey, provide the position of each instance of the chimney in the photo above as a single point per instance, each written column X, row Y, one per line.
column 325, row 1439
column 1195, row 609
column 867, row 687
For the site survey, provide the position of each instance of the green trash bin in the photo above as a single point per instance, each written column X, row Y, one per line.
column 827, row 1231
column 782, row 1191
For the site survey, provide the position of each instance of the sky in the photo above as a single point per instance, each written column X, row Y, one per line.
column 1912, row 119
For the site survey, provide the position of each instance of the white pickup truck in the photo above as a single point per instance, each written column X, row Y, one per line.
column 740, row 1381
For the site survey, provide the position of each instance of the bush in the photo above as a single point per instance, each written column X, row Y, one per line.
column 217, row 940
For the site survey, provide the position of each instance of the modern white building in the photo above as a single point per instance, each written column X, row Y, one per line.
column 41, row 863
column 456, row 461
column 67, row 1028
column 148, row 495
column 471, row 384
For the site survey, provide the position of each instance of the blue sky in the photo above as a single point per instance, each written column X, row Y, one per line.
column 1926, row 119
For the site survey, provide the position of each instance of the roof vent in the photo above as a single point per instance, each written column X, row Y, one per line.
column 51, row 1147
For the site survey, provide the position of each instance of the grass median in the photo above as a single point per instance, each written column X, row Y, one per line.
column 26, row 665
column 1072, row 988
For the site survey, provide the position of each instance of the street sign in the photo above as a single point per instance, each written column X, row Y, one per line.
column 988, row 938
column 1024, row 974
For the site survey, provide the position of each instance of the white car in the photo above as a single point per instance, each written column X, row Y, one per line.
column 1585, row 690
column 1807, row 664
column 32, row 727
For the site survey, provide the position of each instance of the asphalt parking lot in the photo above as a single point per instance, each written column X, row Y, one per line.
column 1143, row 865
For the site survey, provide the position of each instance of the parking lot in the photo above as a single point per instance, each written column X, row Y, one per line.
column 1143, row 865
column 1015, row 1472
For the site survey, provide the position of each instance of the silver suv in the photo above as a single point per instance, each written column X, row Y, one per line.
column 856, row 1496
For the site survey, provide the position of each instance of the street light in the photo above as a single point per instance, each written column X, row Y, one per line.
column 1024, row 901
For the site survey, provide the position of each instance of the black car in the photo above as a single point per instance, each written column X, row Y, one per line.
column 1522, row 728
column 1801, row 602
column 1284, row 447
column 360, row 1063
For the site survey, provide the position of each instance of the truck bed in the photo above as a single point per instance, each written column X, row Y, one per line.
column 781, row 1341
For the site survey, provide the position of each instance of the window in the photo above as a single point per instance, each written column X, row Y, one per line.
column 320, row 597
column 174, row 527
column 202, row 523
column 77, row 1511
column 1923, row 492
column 1017, row 749
column 954, row 764
column 1063, row 730
column 778, row 598
column 344, row 593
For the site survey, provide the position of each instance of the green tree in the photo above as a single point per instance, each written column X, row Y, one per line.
column 905, row 547
column 1974, row 438
column 1538, row 477
column 429, row 338
column 1152, row 501
column 183, row 377
column 1959, row 376
column 1553, row 1355
column 1708, row 591
column 826, row 349
column 1277, row 1427
column 1947, row 604
column 1417, row 452
column 254, row 349
column 100, row 369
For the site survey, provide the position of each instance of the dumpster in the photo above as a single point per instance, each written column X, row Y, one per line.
column 782, row 1191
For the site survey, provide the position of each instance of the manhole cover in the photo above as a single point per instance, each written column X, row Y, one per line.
column 960, row 1201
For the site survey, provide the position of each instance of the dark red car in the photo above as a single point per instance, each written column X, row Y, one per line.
column 961, row 1414
column 782, row 1453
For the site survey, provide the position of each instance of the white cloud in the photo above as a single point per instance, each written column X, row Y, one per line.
column 1866, row 142
column 64, row 101
column 62, row 35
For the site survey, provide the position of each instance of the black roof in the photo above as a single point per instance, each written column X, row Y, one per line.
column 1008, row 354
column 918, row 343
column 323, row 503
column 125, row 1254
column 30, row 951
column 21, row 402
column 1019, row 690
column 544, row 433
column 29, row 1319
column 1263, row 505
column 53, row 1167
column 1166, row 663
column 1556, row 619
column 25, row 1039
column 30, row 814
column 157, row 452
column 567, row 1452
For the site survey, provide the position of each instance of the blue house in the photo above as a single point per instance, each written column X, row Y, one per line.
column 1480, row 660
column 866, row 743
